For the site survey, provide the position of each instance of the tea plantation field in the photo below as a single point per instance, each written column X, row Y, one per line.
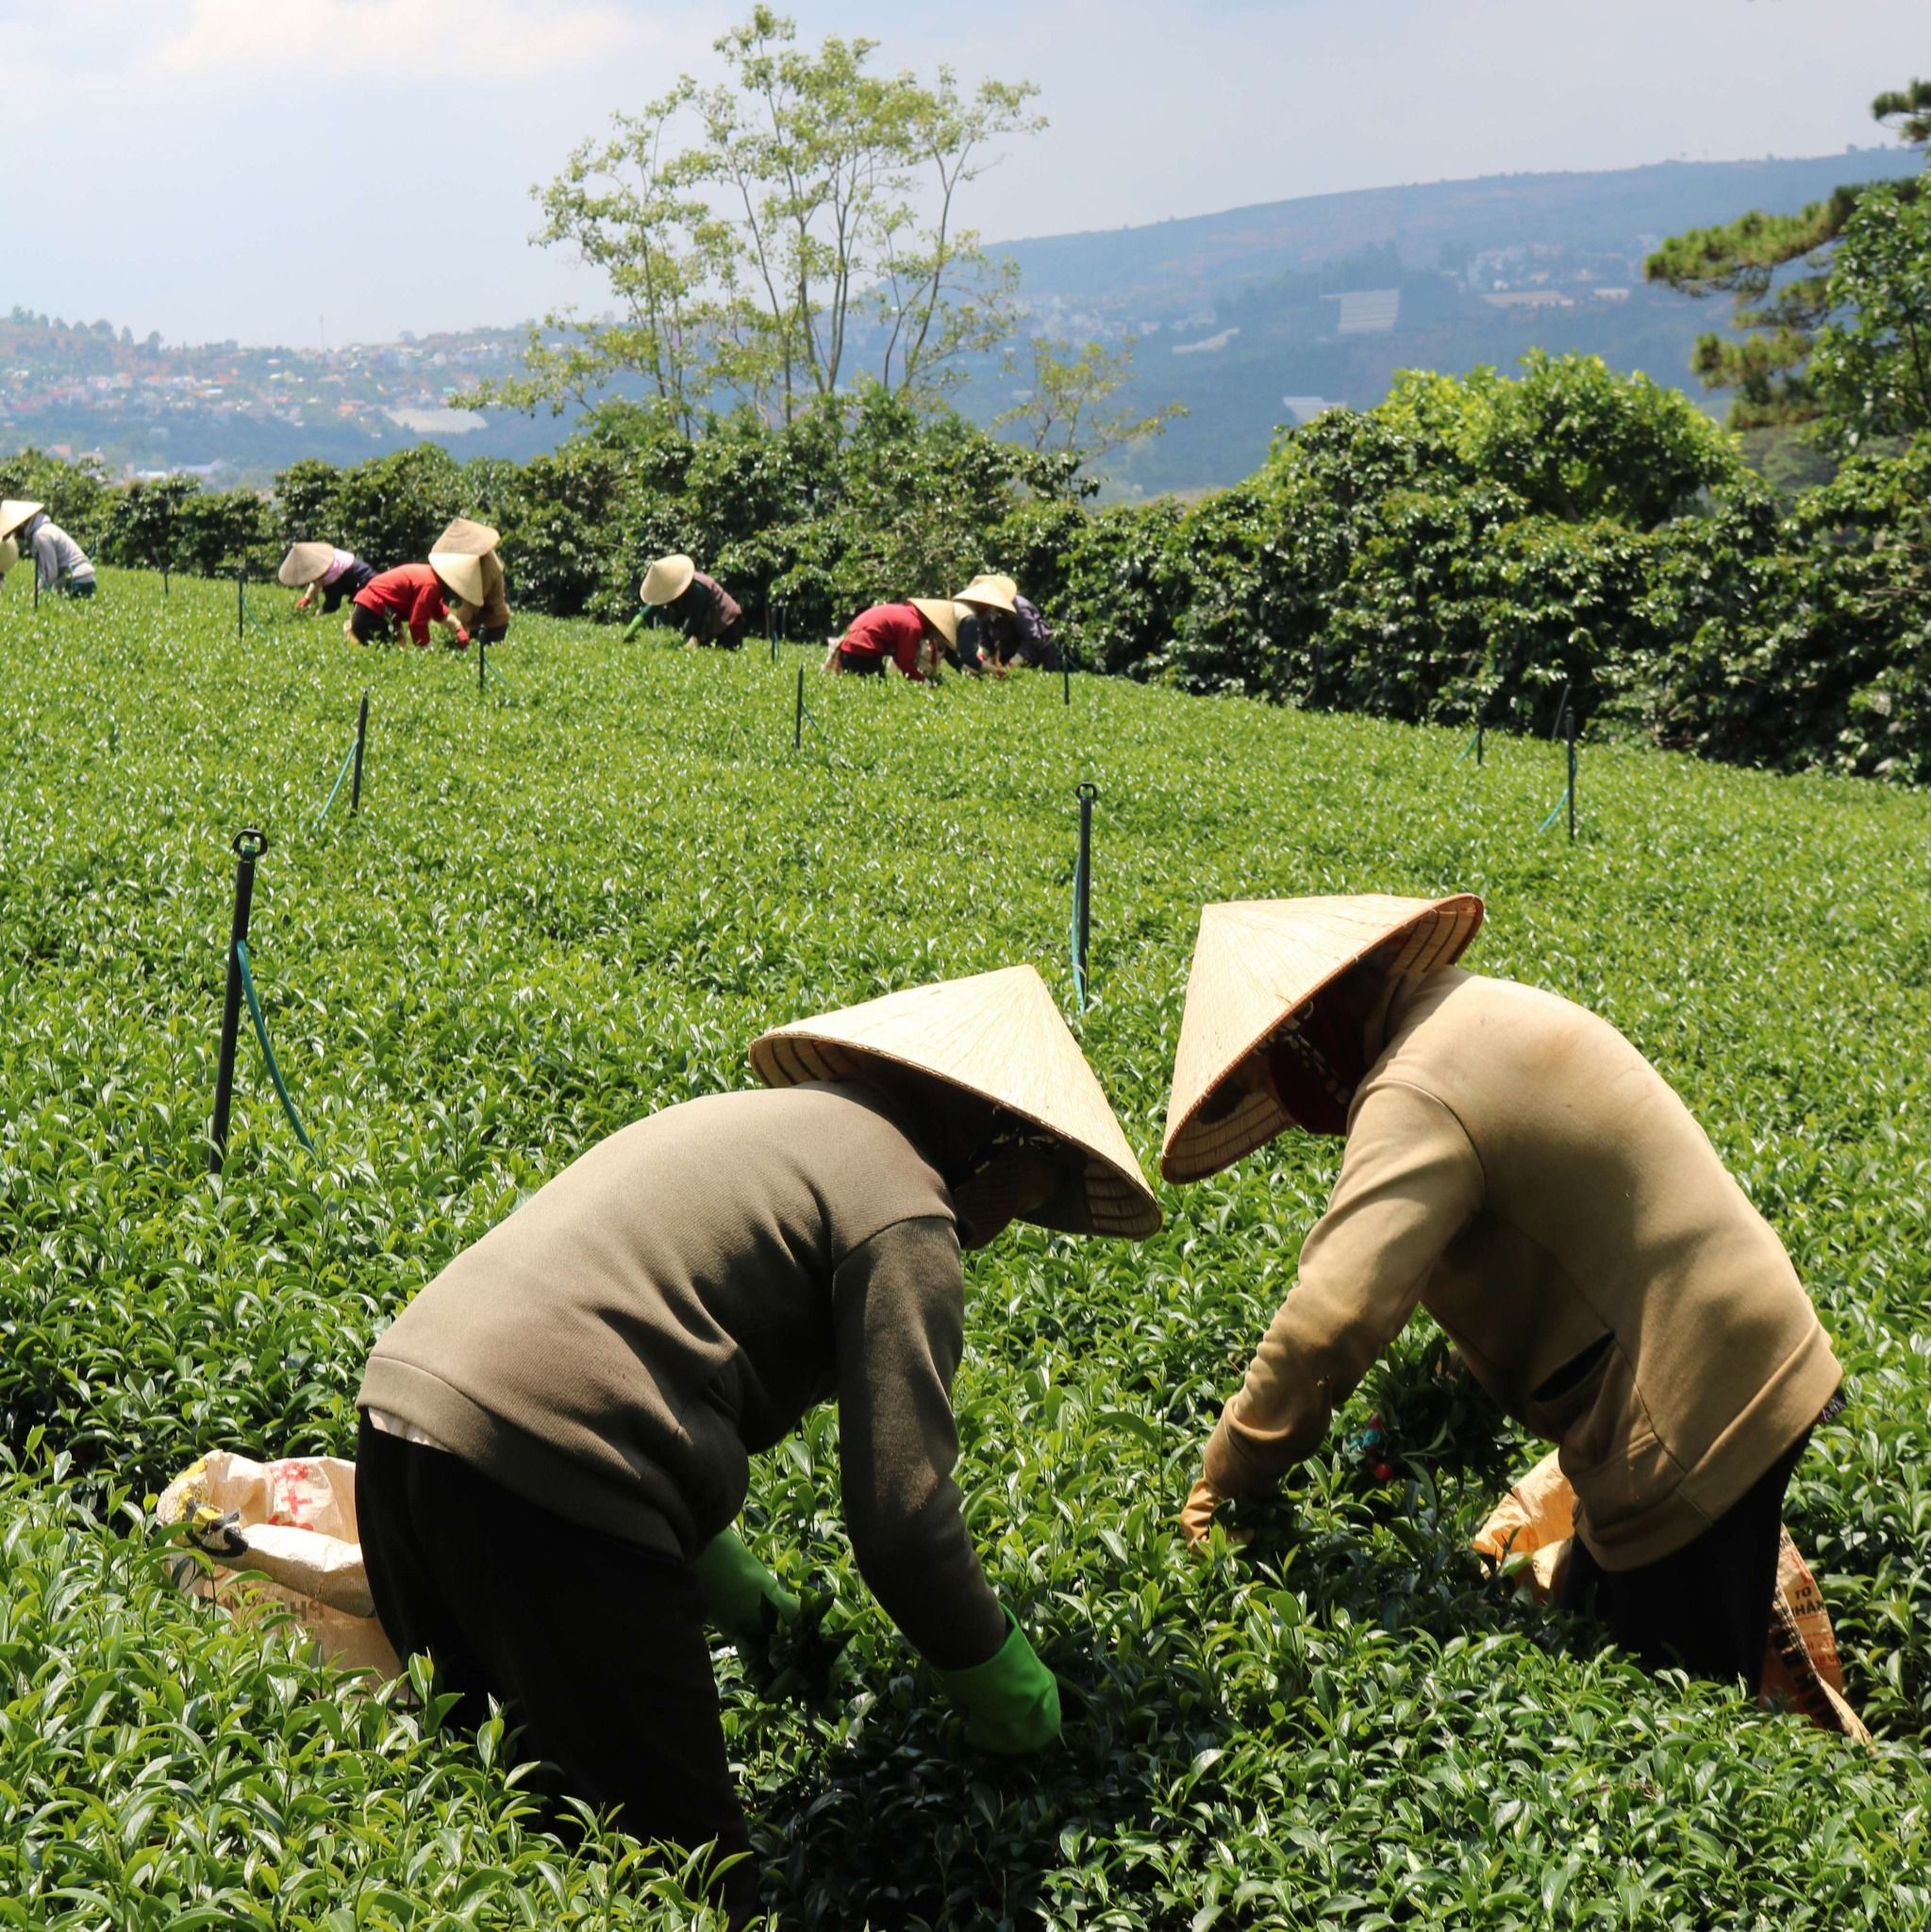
column 576, row 897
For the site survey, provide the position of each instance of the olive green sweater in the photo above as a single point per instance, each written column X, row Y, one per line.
column 1517, row 1168
column 673, row 1302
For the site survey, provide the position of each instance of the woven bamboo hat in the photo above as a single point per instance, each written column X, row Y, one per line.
column 16, row 511
column 461, row 571
column 1256, row 962
column 991, row 592
column 9, row 555
column 939, row 614
column 667, row 579
column 304, row 564
column 466, row 539
column 997, row 1036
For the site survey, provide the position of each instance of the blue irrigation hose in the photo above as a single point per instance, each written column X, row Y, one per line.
column 346, row 763
column 1078, row 972
column 1556, row 813
column 274, row 1071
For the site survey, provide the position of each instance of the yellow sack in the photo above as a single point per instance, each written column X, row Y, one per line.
column 1800, row 1666
column 283, row 1535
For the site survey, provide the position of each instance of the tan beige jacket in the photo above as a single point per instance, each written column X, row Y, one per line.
column 1517, row 1168
column 495, row 608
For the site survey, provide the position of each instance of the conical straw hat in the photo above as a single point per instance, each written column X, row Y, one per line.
column 461, row 571
column 304, row 564
column 15, row 512
column 997, row 1034
column 938, row 613
column 667, row 579
column 1255, row 962
column 465, row 538
column 9, row 555
column 991, row 592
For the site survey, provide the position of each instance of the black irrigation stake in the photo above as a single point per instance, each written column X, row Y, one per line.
column 1481, row 732
column 240, row 606
column 362, row 740
column 798, row 713
column 1571, row 778
column 482, row 655
column 249, row 845
column 1083, row 891
column 1065, row 674
column 1562, row 712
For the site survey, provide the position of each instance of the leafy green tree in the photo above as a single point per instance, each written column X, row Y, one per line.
column 1070, row 403
column 1770, row 369
column 764, row 241
column 1571, row 438
column 307, row 502
column 391, row 510
column 146, row 529
column 1872, row 368
column 77, row 495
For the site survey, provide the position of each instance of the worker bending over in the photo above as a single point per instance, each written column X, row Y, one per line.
column 1516, row 1167
column 557, row 1431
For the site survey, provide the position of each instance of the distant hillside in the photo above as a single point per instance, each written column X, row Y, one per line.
column 1260, row 314
column 1176, row 265
column 1252, row 318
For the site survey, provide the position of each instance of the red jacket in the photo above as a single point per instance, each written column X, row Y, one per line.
column 888, row 630
column 411, row 592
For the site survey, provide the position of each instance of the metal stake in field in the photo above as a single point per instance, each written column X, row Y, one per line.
column 362, row 740
column 1065, row 674
column 240, row 606
column 1083, row 891
column 798, row 713
column 249, row 845
column 1562, row 712
column 1571, row 778
column 1481, row 733
column 482, row 654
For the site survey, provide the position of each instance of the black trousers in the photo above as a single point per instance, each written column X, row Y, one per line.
column 597, row 1649
column 1707, row 1605
column 365, row 625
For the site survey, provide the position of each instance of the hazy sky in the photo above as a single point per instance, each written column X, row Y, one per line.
column 247, row 168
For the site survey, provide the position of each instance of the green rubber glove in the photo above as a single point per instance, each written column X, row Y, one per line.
column 635, row 624
column 1012, row 1700
column 737, row 1588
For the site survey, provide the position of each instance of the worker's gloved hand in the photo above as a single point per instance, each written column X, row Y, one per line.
column 1197, row 1517
column 780, row 1638
column 739, row 1589
column 1012, row 1700
column 797, row 1656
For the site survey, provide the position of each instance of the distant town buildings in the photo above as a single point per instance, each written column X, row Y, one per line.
column 137, row 394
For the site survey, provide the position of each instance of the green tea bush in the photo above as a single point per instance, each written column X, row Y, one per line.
column 1470, row 548
column 576, row 897
column 159, row 1768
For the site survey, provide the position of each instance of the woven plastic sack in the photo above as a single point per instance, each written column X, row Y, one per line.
column 1800, row 1668
column 283, row 1536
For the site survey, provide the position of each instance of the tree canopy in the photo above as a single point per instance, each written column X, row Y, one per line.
column 769, row 238
column 1843, row 262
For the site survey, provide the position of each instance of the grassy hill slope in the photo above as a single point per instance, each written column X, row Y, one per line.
column 576, row 896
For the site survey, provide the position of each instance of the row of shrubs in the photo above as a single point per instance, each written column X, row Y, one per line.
column 1469, row 547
